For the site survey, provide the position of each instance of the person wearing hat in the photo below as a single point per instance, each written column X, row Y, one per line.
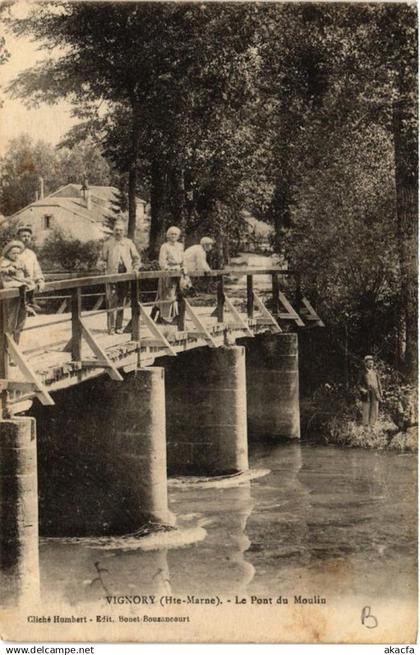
column 371, row 392
column 195, row 257
column 29, row 258
column 15, row 274
column 119, row 255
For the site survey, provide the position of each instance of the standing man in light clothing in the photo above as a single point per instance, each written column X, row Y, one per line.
column 29, row 258
column 371, row 392
column 119, row 255
column 195, row 257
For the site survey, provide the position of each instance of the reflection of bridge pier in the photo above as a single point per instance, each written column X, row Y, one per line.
column 102, row 449
column 226, row 514
column 92, row 573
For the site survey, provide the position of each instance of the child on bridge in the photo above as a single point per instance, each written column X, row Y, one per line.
column 14, row 273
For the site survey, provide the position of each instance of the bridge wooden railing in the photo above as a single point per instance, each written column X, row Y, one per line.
column 281, row 308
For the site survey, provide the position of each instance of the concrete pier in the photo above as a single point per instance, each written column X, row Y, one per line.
column 19, row 565
column 273, row 389
column 103, row 457
column 137, row 430
column 206, row 410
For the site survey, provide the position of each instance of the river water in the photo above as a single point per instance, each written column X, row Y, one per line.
column 325, row 521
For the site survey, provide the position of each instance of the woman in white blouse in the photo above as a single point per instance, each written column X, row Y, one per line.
column 171, row 258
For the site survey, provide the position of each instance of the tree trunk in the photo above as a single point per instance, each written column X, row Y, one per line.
column 158, row 219
column 132, row 173
column 132, row 205
column 178, row 199
column 405, row 147
column 281, row 211
column 401, row 343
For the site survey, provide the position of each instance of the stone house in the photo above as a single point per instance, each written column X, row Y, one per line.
column 79, row 211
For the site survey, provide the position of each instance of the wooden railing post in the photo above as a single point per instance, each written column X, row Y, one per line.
column 4, row 359
column 220, row 298
column 76, row 327
column 108, row 304
column 276, row 289
column 135, row 309
column 250, row 296
column 181, row 307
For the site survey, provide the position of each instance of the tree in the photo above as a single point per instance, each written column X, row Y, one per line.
column 20, row 169
column 268, row 107
column 25, row 161
column 4, row 53
column 333, row 73
column 344, row 239
column 167, row 73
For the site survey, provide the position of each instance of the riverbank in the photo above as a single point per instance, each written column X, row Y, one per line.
column 333, row 416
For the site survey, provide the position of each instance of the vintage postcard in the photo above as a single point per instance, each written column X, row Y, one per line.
column 208, row 322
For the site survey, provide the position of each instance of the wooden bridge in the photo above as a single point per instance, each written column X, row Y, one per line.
column 98, row 462
column 62, row 349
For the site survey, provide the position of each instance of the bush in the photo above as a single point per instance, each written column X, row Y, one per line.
column 65, row 253
column 336, row 415
column 8, row 230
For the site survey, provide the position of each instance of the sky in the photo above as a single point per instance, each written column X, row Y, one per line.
column 49, row 123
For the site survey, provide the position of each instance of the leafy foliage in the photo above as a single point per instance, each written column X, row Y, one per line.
column 304, row 114
column 25, row 161
column 7, row 232
column 61, row 252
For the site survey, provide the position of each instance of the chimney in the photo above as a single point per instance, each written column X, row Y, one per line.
column 41, row 187
column 86, row 194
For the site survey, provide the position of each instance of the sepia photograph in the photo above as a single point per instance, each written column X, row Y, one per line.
column 208, row 322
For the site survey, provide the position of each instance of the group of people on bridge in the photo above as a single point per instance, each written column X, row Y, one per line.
column 20, row 268
column 120, row 255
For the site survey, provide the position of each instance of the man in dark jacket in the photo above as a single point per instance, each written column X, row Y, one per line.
column 371, row 392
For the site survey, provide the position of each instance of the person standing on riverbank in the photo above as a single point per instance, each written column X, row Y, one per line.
column 371, row 392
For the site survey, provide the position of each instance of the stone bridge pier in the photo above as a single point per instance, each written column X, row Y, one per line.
column 272, row 369
column 102, row 457
column 207, row 412
column 106, row 447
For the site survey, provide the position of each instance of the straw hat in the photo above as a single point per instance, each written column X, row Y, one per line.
column 13, row 244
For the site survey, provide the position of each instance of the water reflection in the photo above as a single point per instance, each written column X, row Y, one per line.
column 74, row 573
column 325, row 521
column 219, row 564
column 356, row 512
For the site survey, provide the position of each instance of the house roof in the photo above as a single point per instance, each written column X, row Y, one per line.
column 68, row 198
column 99, row 193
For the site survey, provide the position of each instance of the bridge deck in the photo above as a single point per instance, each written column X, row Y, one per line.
column 60, row 350
column 43, row 346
